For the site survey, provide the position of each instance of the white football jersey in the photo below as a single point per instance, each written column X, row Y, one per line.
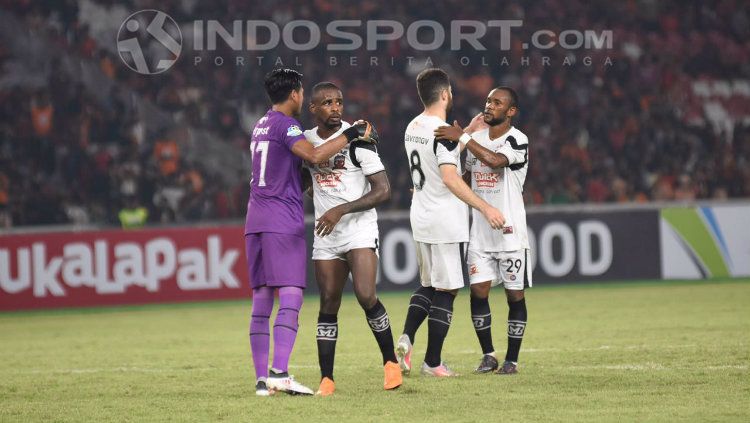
column 342, row 179
column 437, row 216
column 502, row 188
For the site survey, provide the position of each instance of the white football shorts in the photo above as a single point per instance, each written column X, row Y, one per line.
column 511, row 268
column 441, row 265
column 362, row 239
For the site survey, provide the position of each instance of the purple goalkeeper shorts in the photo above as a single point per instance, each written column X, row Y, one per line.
column 276, row 260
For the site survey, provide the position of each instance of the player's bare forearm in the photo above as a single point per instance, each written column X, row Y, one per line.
column 460, row 189
column 380, row 192
column 457, row 186
column 305, row 150
column 486, row 156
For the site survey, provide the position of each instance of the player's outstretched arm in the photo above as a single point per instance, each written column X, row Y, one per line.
column 488, row 157
column 360, row 130
column 380, row 192
column 458, row 187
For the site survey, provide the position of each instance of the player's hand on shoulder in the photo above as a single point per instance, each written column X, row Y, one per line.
column 362, row 130
column 494, row 217
column 449, row 133
column 328, row 221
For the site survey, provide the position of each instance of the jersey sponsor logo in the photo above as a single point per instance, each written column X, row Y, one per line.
column 328, row 331
column 293, row 131
column 328, row 180
column 486, row 179
column 507, row 230
column 260, row 131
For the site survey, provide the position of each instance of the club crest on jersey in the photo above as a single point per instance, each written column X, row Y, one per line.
column 486, row 179
column 293, row 131
column 338, row 162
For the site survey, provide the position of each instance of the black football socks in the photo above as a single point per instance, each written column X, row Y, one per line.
column 328, row 333
column 419, row 309
column 482, row 319
column 438, row 324
column 380, row 325
column 516, row 327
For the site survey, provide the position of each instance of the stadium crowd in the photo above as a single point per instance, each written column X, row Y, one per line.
column 628, row 127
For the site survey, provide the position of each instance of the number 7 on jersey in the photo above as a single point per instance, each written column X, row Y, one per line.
column 262, row 148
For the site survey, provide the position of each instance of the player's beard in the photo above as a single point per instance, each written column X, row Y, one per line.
column 496, row 121
column 332, row 126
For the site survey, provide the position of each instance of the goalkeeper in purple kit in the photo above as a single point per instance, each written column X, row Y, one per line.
column 275, row 244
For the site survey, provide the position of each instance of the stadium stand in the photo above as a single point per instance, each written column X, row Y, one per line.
column 81, row 134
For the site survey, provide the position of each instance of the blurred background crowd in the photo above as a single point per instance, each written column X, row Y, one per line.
column 664, row 115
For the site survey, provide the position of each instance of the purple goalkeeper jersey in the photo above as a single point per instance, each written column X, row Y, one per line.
column 275, row 203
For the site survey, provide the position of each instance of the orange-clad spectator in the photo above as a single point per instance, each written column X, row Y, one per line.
column 42, row 112
column 167, row 156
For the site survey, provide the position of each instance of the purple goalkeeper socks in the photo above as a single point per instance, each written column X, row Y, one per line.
column 285, row 326
column 259, row 333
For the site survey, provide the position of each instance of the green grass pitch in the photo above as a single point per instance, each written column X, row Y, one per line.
column 647, row 351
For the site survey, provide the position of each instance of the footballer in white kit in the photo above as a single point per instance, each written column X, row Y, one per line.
column 439, row 220
column 339, row 180
column 496, row 166
column 500, row 256
column 346, row 189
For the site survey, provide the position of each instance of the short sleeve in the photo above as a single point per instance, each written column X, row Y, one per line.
column 447, row 152
column 516, row 150
column 365, row 156
column 292, row 132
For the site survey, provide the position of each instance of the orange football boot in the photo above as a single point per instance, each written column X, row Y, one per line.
column 393, row 378
column 327, row 387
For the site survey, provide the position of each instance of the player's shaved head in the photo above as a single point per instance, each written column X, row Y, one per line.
column 320, row 87
column 430, row 83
